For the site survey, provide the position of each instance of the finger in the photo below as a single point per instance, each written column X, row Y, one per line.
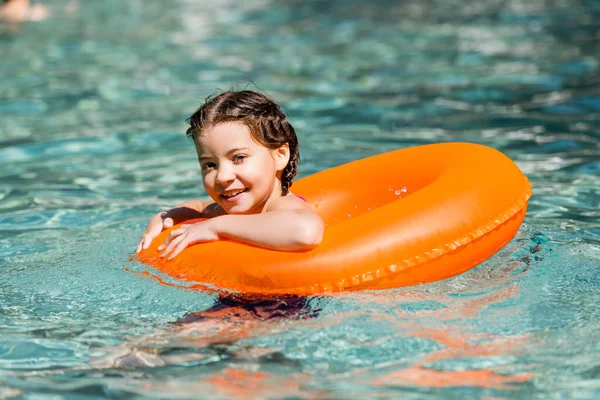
column 176, row 233
column 139, row 246
column 166, row 243
column 146, row 240
column 168, row 223
column 182, row 245
column 172, row 245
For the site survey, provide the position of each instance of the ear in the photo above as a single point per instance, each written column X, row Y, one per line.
column 281, row 155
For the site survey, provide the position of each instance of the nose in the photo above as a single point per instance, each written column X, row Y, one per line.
column 225, row 175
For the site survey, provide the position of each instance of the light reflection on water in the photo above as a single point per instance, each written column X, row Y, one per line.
column 92, row 117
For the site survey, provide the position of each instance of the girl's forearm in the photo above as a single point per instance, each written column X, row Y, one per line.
column 280, row 230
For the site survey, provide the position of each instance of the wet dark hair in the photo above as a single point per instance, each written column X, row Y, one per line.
column 267, row 123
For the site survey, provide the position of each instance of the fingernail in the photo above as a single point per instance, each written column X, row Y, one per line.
column 162, row 246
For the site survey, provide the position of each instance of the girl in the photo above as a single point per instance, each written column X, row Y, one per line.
column 248, row 153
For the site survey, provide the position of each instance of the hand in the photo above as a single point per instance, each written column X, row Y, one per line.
column 157, row 224
column 187, row 235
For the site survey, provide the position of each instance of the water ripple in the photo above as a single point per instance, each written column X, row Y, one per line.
column 92, row 143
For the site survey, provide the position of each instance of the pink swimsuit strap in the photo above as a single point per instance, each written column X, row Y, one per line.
column 301, row 198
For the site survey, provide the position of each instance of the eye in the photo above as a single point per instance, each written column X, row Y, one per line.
column 208, row 165
column 239, row 158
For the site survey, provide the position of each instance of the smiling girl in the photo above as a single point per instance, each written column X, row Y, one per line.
column 248, row 154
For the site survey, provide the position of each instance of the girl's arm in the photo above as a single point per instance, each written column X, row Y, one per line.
column 280, row 230
column 289, row 225
column 166, row 219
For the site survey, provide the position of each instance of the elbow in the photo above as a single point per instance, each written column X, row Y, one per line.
column 311, row 234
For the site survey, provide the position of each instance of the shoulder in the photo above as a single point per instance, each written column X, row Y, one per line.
column 290, row 202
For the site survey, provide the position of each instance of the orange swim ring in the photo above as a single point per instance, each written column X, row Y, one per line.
column 397, row 219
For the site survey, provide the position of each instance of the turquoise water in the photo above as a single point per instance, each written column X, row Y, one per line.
column 93, row 102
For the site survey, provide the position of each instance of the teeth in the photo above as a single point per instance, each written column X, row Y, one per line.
column 231, row 194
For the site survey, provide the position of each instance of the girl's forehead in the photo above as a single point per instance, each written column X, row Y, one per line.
column 221, row 138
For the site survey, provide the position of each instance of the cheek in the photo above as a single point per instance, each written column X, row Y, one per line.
column 207, row 181
column 259, row 172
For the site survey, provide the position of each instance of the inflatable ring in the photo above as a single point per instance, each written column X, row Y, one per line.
column 401, row 218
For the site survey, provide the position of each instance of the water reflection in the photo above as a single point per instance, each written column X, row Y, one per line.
column 93, row 102
column 431, row 336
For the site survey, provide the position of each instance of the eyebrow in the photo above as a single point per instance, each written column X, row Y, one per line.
column 230, row 152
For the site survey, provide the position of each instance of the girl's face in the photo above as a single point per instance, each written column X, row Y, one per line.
column 240, row 175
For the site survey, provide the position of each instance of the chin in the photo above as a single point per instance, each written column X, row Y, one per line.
column 236, row 209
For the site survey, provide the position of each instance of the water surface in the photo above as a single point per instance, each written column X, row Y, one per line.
column 93, row 102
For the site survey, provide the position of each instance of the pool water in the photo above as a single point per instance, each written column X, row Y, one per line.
column 93, row 102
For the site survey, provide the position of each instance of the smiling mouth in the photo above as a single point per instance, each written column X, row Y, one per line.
column 232, row 194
